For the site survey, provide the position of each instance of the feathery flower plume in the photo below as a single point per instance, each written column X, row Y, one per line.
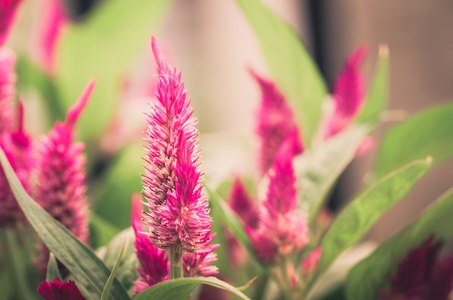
column 61, row 186
column 18, row 148
column 283, row 229
column 178, row 217
column 420, row 275
column 53, row 23
column 275, row 122
column 7, row 14
column 57, row 290
column 7, row 89
column 154, row 262
column 348, row 93
column 311, row 262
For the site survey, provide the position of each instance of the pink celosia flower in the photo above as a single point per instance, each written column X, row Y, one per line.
column 18, row 147
column 283, row 229
column 154, row 263
column 198, row 264
column 178, row 210
column 57, row 290
column 420, row 276
column 53, row 22
column 348, row 93
column 61, row 185
column 7, row 14
column 275, row 122
column 311, row 262
column 7, row 89
column 242, row 204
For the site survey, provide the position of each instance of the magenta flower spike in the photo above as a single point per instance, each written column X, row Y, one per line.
column 283, row 228
column 7, row 89
column 178, row 217
column 54, row 21
column 57, row 290
column 61, row 185
column 242, row 204
column 7, row 14
column 348, row 93
column 154, row 263
column 274, row 122
column 311, row 262
column 420, row 275
column 18, row 147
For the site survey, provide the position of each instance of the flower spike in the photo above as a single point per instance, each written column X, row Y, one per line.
column 178, row 217
column 57, row 290
column 7, row 89
column 61, row 186
column 7, row 14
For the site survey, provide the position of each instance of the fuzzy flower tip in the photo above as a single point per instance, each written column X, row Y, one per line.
column 54, row 21
column 242, row 204
column 178, row 210
column 61, row 185
column 275, row 122
column 348, row 93
column 283, row 228
column 154, row 263
column 420, row 275
column 18, row 148
column 57, row 290
column 7, row 13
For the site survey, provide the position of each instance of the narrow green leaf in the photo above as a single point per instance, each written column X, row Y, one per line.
column 232, row 221
column 108, row 284
column 372, row 273
column 429, row 132
column 291, row 64
column 104, row 47
column 319, row 167
column 357, row 217
column 127, row 270
column 376, row 101
column 52, row 269
column 87, row 268
column 180, row 289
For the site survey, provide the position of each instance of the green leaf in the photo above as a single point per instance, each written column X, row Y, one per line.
column 101, row 231
column 122, row 180
column 232, row 221
column 127, row 270
column 319, row 167
column 52, row 269
column 89, row 271
column 357, row 217
column 180, row 289
column 108, row 284
column 427, row 133
column 376, row 101
column 291, row 64
column 104, row 47
column 372, row 273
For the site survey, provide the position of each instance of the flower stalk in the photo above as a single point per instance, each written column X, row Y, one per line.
column 176, row 254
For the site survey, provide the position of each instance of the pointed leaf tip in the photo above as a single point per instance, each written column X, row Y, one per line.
column 75, row 110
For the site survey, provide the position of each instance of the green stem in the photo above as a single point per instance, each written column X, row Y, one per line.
column 176, row 261
column 287, row 286
column 15, row 264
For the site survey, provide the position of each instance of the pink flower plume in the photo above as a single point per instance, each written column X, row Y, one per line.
column 61, row 186
column 57, row 290
column 283, row 228
column 178, row 209
column 18, row 147
column 348, row 93
column 274, row 122
column 7, row 14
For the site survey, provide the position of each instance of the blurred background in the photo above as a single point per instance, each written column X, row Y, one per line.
column 212, row 43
